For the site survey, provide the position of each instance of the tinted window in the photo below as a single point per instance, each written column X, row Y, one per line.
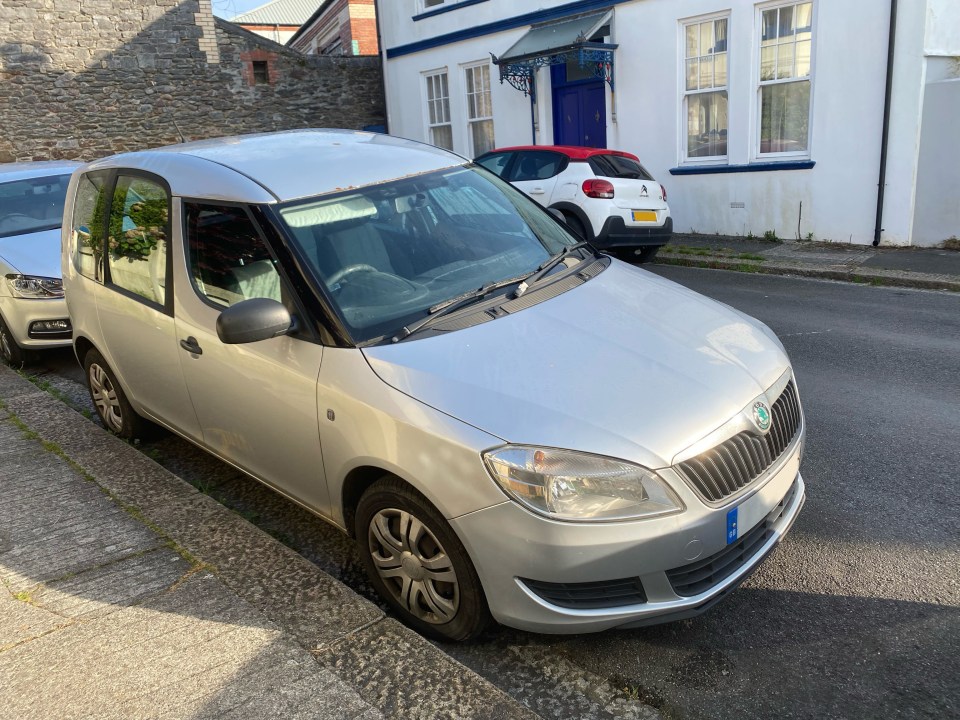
column 537, row 165
column 32, row 205
column 87, row 223
column 618, row 166
column 228, row 260
column 496, row 163
column 137, row 238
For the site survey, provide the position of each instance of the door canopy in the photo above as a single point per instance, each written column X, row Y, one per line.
column 555, row 43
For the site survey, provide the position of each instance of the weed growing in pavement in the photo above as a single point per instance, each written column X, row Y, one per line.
column 24, row 596
column 810, row 237
column 952, row 243
column 750, row 256
column 770, row 235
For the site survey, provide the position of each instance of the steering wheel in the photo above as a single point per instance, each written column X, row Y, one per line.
column 349, row 270
column 16, row 219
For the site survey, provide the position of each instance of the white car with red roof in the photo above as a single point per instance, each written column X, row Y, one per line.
column 606, row 196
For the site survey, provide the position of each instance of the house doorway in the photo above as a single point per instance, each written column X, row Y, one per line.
column 579, row 106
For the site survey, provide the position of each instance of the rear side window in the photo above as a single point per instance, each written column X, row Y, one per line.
column 618, row 166
column 87, row 226
column 228, row 260
column 137, row 238
column 496, row 163
column 538, row 165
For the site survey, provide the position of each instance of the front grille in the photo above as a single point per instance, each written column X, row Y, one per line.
column 729, row 467
column 589, row 595
column 700, row 576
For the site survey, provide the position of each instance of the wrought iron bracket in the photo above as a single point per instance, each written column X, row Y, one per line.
column 520, row 72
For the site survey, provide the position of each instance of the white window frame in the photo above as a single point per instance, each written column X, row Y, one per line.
column 467, row 68
column 429, row 125
column 759, row 84
column 685, row 94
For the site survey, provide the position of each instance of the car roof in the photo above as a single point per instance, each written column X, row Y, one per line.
column 276, row 167
column 10, row 172
column 571, row 151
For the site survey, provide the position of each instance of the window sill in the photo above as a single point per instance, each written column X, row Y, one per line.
column 750, row 167
column 446, row 8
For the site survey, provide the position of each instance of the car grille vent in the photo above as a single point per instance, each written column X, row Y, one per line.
column 464, row 321
column 585, row 596
column 731, row 466
column 700, row 576
column 557, row 288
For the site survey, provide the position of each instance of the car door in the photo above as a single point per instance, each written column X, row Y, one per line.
column 257, row 402
column 535, row 173
column 132, row 291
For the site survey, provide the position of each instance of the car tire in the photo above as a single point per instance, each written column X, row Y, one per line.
column 573, row 222
column 11, row 353
column 112, row 406
column 445, row 602
column 647, row 254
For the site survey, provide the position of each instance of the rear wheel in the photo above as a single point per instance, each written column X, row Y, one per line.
column 10, row 352
column 112, row 406
column 647, row 254
column 417, row 563
column 573, row 222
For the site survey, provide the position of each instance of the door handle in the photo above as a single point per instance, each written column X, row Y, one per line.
column 537, row 191
column 191, row 346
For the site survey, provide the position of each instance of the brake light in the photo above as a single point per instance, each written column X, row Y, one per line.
column 664, row 191
column 596, row 188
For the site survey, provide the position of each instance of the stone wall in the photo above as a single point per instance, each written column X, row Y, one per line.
column 81, row 79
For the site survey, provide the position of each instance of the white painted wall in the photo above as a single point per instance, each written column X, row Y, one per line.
column 838, row 195
column 937, row 215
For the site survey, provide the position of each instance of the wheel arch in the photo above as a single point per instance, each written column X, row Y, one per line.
column 568, row 208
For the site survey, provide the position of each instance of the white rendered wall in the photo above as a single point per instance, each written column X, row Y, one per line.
column 937, row 215
column 838, row 195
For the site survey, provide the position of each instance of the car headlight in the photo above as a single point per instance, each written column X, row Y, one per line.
column 31, row 286
column 569, row 485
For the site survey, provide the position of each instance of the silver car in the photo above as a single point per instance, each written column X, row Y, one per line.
column 33, row 314
column 509, row 423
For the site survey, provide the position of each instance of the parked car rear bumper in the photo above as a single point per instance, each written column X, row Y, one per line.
column 617, row 234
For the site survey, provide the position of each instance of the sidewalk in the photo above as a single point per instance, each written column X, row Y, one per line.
column 928, row 268
column 126, row 593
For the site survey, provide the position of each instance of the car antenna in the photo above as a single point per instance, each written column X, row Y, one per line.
column 174, row 120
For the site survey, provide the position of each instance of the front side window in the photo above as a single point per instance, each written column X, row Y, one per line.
column 137, row 238
column 440, row 131
column 705, row 87
column 89, row 206
column 479, row 109
column 228, row 260
column 786, row 39
column 387, row 253
column 32, row 205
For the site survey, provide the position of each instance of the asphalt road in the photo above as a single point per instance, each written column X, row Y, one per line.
column 855, row 615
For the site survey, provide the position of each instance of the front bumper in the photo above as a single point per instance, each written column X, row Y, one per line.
column 615, row 233
column 509, row 544
column 21, row 314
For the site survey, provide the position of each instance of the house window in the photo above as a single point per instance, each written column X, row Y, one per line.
column 261, row 74
column 479, row 109
column 786, row 37
column 705, row 87
column 438, row 110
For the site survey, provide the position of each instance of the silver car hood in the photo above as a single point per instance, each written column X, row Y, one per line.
column 627, row 365
column 36, row 253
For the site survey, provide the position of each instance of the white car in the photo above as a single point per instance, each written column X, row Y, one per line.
column 33, row 314
column 606, row 196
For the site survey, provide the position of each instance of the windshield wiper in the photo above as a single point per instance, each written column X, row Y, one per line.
column 437, row 311
column 547, row 267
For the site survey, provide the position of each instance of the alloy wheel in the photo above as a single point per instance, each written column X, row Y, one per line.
column 414, row 566
column 105, row 398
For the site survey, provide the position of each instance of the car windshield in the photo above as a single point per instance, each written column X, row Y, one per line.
column 32, row 205
column 389, row 253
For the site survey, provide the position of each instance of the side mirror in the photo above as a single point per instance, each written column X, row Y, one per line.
column 253, row 320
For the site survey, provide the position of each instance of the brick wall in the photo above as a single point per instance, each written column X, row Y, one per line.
column 86, row 78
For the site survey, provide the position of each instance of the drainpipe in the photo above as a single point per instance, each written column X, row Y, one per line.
column 885, row 133
column 382, row 52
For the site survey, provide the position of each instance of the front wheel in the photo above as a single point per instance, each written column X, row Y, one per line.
column 11, row 353
column 417, row 564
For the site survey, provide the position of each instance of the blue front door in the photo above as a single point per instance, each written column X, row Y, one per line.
column 579, row 111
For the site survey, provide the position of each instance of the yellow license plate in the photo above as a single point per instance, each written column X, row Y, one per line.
column 644, row 216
